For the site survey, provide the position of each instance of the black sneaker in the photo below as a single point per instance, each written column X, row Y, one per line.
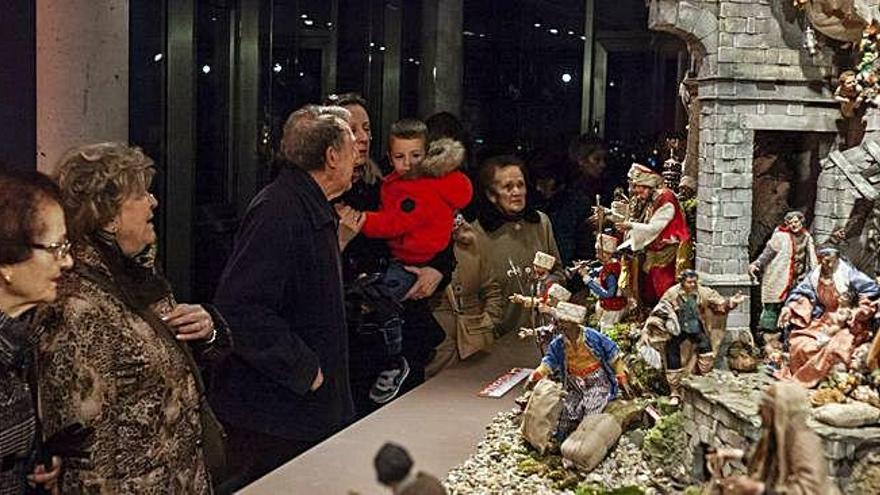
column 388, row 384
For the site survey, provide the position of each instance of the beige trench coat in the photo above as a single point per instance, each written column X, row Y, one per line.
column 517, row 241
column 479, row 304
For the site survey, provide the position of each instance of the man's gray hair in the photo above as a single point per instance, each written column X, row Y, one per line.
column 308, row 133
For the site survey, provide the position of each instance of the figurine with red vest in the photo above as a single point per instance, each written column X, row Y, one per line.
column 605, row 283
column 656, row 236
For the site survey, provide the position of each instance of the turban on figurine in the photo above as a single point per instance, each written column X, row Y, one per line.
column 641, row 175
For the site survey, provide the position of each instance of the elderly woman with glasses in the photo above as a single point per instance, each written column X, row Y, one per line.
column 34, row 252
column 121, row 355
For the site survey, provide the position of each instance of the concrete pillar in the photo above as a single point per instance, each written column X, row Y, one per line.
column 82, row 75
column 392, row 41
column 600, row 84
column 588, row 77
column 442, row 57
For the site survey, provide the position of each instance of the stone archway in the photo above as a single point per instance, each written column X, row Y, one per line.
column 699, row 30
column 688, row 20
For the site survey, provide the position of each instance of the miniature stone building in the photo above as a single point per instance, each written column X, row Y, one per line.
column 721, row 410
column 753, row 78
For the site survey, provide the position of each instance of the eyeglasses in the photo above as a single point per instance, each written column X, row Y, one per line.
column 58, row 249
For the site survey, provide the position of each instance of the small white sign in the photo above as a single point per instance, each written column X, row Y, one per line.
column 505, row 382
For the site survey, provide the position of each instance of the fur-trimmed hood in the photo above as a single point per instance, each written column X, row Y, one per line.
column 444, row 156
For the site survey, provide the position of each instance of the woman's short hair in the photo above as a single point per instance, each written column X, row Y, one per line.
column 491, row 165
column 346, row 100
column 95, row 179
column 21, row 196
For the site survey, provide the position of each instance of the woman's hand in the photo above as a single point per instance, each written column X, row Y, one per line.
column 426, row 283
column 192, row 322
column 350, row 223
column 48, row 479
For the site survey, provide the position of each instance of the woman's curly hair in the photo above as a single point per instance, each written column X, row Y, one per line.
column 95, row 179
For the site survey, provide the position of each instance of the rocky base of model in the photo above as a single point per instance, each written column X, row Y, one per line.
column 504, row 463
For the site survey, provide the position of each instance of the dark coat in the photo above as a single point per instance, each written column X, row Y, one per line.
column 281, row 292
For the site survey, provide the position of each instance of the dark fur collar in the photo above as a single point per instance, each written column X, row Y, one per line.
column 491, row 218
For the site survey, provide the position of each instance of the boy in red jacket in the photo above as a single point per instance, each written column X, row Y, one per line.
column 418, row 201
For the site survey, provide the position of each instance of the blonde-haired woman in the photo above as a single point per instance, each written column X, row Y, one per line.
column 120, row 356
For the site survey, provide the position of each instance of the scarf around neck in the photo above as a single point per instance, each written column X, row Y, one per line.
column 136, row 275
column 491, row 218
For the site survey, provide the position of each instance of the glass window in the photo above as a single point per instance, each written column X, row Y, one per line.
column 213, row 174
column 523, row 65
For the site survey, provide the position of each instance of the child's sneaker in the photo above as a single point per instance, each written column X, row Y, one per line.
column 388, row 384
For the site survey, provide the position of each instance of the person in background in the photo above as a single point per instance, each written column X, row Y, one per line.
column 34, row 251
column 509, row 231
column 285, row 388
column 587, row 181
column 447, row 125
column 121, row 354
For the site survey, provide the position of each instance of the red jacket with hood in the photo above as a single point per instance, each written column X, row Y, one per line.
column 417, row 210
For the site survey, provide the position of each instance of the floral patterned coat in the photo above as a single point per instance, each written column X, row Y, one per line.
column 104, row 366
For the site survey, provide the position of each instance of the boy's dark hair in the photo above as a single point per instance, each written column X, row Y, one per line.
column 408, row 129
column 392, row 463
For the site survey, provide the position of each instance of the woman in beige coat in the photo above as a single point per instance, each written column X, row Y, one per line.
column 471, row 306
column 509, row 231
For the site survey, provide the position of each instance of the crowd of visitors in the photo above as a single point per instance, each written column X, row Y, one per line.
column 345, row 288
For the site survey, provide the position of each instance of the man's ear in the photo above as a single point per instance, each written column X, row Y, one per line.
column 331, row 157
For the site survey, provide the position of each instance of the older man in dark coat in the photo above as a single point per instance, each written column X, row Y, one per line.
column 286, row 386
